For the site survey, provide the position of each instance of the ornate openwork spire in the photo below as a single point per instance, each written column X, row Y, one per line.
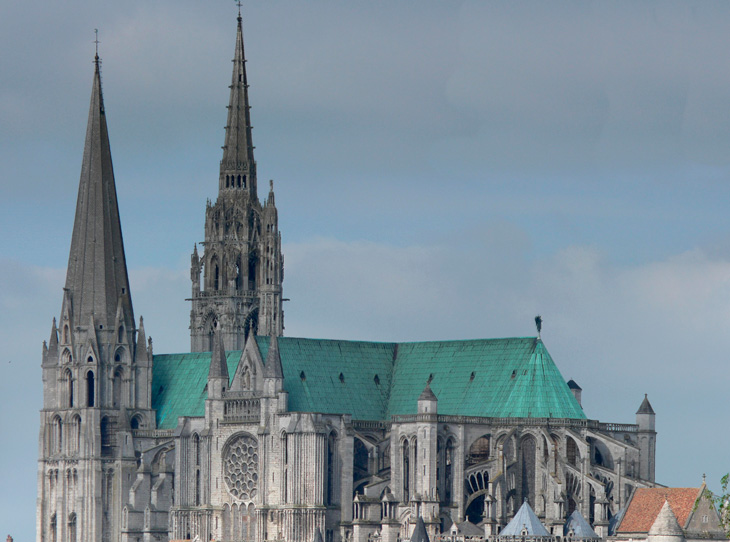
column 238, row 168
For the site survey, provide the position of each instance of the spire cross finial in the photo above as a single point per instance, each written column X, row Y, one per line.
column 238, row 3
column 96, row 41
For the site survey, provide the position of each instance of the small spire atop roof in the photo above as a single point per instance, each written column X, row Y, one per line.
column 645, row 407
column 538, row 325
column 218, row 363
column 273, row 359
column 427, row 394
column 419, row 531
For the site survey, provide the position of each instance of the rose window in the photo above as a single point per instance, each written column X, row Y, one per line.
column 241, row 466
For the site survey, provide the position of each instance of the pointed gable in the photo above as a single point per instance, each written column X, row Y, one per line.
column 97, row 268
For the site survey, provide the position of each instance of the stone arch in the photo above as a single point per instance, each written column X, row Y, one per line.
column 528, row 456
column 209, row 326
column 572, row 452
column 66, row 356
column 75, row 436
column 117, row 386
column 360, row 463
column 479, row 451
column 120, row 355
column 57, row 434
column 600, row 454
column 136, row 422
column 332, row 470
column 90, row 389
column 69, row 378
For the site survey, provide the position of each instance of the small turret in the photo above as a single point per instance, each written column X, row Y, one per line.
column 646, row 420
column 427, row 401
column 577, row 391
column 645, row 416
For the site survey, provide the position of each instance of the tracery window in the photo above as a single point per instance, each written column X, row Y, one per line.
column 240, row 466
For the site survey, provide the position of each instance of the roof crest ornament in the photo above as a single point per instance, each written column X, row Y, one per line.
column 538, row 325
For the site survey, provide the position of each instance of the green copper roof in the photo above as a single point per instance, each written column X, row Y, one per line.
column 179, row 385
column 372, row 381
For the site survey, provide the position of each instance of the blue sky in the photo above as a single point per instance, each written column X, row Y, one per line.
column 442, row 171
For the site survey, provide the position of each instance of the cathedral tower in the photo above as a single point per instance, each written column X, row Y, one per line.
column 242, row 265
column 96, row 367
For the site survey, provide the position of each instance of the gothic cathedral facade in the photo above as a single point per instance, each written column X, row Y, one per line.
column 259, row 437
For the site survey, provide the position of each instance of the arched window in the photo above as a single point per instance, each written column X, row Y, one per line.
column 90, row 389
column 54, row 529
column 120, row 337
column 197, row 487
column 106, row 437
column 65, row 334
column 528, row 449
column 448, row 470
column 117, row 388
column 406, row 464
column 331, row 472
column 239, row 180
column 243, row 185
column 77, row 433
column 66, row 356
column 479, row 451
column 70, row 381
column 57, row 435
column 196, row 449
column 571, row 449
column 134, row 424
column 216, row 276
column 72, row 527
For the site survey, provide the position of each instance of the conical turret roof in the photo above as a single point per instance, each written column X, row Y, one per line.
column 666, row 523
column 97, row 268
column 524, row 520
column 645, row 407
column 580, row 527
column 419, row 531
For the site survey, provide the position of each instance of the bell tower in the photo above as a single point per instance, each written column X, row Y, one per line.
column 97, row 365
column 242, row 265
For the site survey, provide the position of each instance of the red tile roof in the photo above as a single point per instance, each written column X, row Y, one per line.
column 647, row 502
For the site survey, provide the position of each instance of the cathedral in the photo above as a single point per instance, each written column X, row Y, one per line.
column 256, row 436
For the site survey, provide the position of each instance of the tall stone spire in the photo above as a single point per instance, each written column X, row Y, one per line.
column 97, row 280
column 242, row 267
column 238, row 168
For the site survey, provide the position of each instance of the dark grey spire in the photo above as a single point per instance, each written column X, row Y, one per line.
column 238, row 168
column 96, row 280
column 273, row 359
column 419, row 531
column 218, row 364
column 427, row 394
column 645, row 407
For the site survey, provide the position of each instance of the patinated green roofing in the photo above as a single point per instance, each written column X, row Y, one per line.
column 322, row 361
column 501, row 378
column 488, row 377
column 179, row 385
